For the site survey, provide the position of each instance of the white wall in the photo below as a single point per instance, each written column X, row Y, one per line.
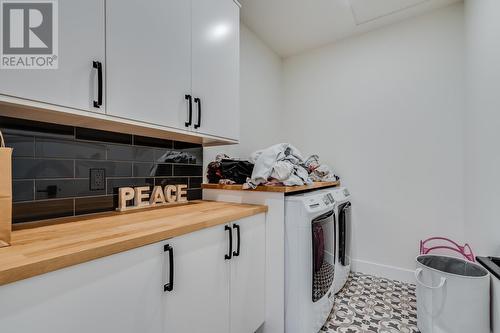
column 482, row 164
column 385, row 109
column 261, row 88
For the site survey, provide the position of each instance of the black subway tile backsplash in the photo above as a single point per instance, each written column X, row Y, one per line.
column 102, row 136
column 130, row 153
column 51, row 167
column 41, row 210
column 194, row 194
column 115, row 184
column 188, row 170
column 195, row 182
column 66, row 188
column 54, row 148
column 162, row 170
column 23, row 145
column 23, row 190
column 23, row 168
column 95, row 204
column 184, row 145
column 113, row 169
column 144, row 169
column 171, row 181
column 178, row 156
column 152, row 142
column 152, row 170
column 35, row 128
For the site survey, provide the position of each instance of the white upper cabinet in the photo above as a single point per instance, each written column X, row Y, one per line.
column 148, row 45
column 215, row 44
column 178, row 67
column 163, row 64
column 75, row 83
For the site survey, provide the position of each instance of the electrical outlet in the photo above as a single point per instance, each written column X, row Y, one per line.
column 97, row 179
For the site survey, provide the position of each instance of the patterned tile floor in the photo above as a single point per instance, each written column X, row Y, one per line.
column 371, row 304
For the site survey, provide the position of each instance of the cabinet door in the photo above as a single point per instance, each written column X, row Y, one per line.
column 248, row 286
column 199, row 301
column 74, row 83
column 119, row 293
column 148, row 45
column 216, row 66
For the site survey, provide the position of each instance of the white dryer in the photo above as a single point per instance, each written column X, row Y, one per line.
column 343, row 226
column 309, row 260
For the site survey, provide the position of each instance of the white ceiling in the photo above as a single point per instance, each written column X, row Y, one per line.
column 293, row 26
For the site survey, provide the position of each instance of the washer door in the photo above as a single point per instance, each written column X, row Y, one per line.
column 323, row 265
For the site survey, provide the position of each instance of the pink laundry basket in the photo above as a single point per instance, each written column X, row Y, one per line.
column 441, row 243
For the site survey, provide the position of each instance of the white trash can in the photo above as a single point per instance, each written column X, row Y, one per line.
column 453, row 295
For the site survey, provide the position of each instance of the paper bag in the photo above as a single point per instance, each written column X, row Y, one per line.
column 5, row 193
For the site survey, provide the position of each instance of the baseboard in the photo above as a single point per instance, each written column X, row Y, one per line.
column 385, row 271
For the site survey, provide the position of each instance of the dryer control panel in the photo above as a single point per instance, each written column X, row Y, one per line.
column 320, row 202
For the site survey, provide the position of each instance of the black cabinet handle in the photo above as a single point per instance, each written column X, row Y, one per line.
column 229, row 255
column 237, row 252
column 198, row 101
column 170, row 285
column 98, row 65
column 189, row 98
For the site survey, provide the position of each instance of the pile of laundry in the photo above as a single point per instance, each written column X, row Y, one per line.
column 281, row 164
column 225, row 170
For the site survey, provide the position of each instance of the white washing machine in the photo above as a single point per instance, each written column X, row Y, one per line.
column 343, row 233
column 309, row 260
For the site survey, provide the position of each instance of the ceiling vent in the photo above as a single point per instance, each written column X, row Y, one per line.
column 365, row 11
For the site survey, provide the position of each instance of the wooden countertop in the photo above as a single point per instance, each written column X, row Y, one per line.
column 43, row 249
column 284, row 189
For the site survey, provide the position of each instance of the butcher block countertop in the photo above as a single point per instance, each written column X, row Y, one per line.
column 283, row 189
column 46, row 248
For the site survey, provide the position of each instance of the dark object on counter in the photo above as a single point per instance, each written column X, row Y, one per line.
column 214, row 172
column 237, row 171
column 234, row 170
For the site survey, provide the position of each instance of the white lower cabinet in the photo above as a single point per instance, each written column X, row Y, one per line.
column 119, row 293
column 126, row 292
column 199, row 300
column 248, row 276
column 218, row 288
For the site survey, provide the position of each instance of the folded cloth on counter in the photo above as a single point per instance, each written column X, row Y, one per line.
column 319, row 172
column 282, row 163
column 226, row 182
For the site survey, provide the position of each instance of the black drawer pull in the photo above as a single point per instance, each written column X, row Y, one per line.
column 237, row 252
column 230, row 253
column 170, row 285
column 98, row 65
column 189, row 98
column 198, row 102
